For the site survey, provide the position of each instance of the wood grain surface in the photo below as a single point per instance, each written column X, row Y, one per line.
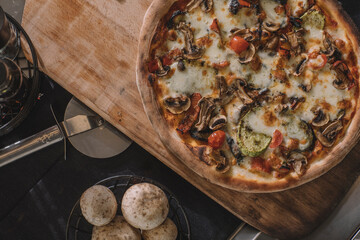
column 89, row 47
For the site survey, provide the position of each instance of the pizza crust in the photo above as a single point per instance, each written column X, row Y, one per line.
column 192, row 158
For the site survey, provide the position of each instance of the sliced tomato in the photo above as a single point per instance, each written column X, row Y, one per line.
column 260, row 164
column 238, row 44
column 244, row 3
column 221, row 65
column 166, row 60
column 216, row 139
column 153, row 66
column 276, row 139
column 215, row 26
column 191, row 114
column 317, row 61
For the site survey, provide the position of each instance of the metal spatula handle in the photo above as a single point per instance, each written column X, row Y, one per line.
column 68, row 128
column 30, row 145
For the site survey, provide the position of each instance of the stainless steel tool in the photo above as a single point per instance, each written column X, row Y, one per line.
column 68, row 128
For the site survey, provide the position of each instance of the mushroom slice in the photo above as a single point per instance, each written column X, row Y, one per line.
column 206, row 5
column 162, row 71
column 239, row 86
column 301, row 66
column 222, row 162
column 175, row 17
column 193, row 4
column 217, row 122
column 201, row 136
column 295, row 40
column 328, row 44
column 328, row 136
column 321, row 118
column 177, row 105
column 191, row 51
column 281, row 108
column 271, row 27
column 272, row 43
column 246, row 34
column 207, row 106
column 298, row 161
column 234, row 148
column 342, row 75
column 226, row 94
column 248, row 55
column 341, row 114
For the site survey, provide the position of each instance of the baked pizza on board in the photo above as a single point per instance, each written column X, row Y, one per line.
column 253, row 95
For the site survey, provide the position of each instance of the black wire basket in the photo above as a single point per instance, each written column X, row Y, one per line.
column 14, row 112
column 79, row 229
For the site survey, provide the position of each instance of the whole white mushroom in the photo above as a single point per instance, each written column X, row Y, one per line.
column 145, row 206
column 118, row 229
column 166, row 231
column 98, row 205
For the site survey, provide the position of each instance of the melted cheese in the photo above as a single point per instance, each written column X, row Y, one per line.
column 191, row 80
column 269, row 7
column 298, row 7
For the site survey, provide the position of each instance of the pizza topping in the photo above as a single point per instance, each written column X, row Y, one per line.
column 218, row 122
column 239, row 86
column 206, row 5
column 251, row 143
column 295, row 39
column 191, row 115
column 191, row 51
column 260, row 164
column 234, row 148
column 272, row 43
column 175, row 19
column 177, row 105
column 221, row 65
column 226, row 94
column 181, row 66
column 276, row 139
column 215, row 26
column 222, row 162
column 207, row 106
column 321, row 118
column 239, row 44
column 328, row 136
column 343, row 75
column 313, row 18
column 301, row 66
column 295, row 102
column 298, row 162
column 234, row 6
column 271, row 27
column 161, row 70
column 216, row 139
column 328, row 44
column 317, row 62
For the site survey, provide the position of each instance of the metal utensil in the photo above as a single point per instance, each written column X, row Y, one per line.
column 70, row 127
column 356, row 234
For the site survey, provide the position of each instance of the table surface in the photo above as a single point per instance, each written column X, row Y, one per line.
column 38, row 191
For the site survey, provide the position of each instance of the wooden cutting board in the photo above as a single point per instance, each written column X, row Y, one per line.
column 89, row 47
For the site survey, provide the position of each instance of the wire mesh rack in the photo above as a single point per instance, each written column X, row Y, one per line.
column 79, row 229
column 13, row 112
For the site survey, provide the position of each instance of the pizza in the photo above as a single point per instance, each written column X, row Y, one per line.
column 253, row 95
